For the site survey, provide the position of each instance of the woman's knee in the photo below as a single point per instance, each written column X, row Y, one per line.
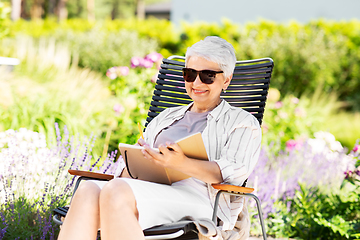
column 117, row 193
column 88, row 193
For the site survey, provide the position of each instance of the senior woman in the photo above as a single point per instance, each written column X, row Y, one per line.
column 123, row 207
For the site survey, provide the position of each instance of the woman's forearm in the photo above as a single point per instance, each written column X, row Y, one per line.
column 206, row 171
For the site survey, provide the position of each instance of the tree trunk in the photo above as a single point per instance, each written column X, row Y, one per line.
column 91, row 10
column 140, row 9
column 115, row 10
column 51, row 7
column 36, row 9
column 15, row 9
column 61, row 10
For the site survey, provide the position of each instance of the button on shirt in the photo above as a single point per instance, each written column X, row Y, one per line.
column 232, row 139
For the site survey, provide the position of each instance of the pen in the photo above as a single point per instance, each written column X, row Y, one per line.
column 140, row 130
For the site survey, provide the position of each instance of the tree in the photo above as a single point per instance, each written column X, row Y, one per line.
column 36, row 9
column 61, row 10
column 91, row 10
column 15, row 9
column 140, row 9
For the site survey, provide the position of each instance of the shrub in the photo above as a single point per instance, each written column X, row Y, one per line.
column 48, row 90
column 301, row 193
column 99, row 50
column 4, row 20
column 44, row 90
column 34, row 179
column 289, row 117
column 319, row 53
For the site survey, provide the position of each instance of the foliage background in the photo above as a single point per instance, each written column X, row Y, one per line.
column 315, row 62
column 62, row 80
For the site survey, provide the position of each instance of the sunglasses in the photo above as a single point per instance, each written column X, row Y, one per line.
column 206, row 76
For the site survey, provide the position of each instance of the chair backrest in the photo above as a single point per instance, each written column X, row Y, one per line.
column 248, row 88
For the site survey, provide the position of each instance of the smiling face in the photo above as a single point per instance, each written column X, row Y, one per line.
column 205, row 96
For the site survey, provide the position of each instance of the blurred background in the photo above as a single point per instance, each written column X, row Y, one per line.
column 76, row 76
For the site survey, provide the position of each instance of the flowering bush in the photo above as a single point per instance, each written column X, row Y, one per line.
column 133, row 88
column 281, row 181
column 136, row 62
column 291, row 120
column 34, row 179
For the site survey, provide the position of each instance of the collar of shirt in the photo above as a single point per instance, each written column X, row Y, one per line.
column 215, row 113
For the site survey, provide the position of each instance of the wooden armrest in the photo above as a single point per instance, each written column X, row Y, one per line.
column 91, row 174
column 232, row 188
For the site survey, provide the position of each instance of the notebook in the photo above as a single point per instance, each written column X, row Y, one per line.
column 141, row 168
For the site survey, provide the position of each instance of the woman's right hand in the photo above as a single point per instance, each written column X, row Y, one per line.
column 141, row 142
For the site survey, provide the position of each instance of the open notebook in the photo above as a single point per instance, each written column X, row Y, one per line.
column 141, row 168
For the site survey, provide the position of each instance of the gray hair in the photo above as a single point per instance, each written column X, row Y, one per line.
column 214, row 49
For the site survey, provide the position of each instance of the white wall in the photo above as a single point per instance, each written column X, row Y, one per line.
column 241, row 11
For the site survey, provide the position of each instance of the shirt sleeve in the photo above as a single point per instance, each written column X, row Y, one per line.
column 241, row 152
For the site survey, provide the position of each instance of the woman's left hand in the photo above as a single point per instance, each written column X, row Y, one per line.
column 170, row 156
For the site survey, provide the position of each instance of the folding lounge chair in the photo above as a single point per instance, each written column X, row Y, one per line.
column 248, row 90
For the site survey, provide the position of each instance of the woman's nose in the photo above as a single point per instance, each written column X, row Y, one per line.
column 197, row 80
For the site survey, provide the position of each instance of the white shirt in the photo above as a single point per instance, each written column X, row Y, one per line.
column 232, row 139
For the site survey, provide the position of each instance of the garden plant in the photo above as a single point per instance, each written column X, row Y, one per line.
column 81, row 88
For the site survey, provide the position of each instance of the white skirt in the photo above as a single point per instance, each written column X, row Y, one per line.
column 159, row 203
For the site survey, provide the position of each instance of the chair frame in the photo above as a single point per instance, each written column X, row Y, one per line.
column 253, row 83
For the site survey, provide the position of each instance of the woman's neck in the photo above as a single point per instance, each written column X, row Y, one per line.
column 204, row 108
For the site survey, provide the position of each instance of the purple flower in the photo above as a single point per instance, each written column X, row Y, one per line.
column 348, row 174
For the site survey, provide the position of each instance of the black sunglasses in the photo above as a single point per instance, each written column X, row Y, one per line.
column 206, row 76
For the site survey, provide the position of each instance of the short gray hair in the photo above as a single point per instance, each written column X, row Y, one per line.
column 214, row 49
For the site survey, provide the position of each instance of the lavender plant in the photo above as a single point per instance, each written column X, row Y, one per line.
column 34, row 179
column 318, row 162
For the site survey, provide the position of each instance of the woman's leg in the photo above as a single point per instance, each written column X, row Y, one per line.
column 118, row 212
column 82, row 220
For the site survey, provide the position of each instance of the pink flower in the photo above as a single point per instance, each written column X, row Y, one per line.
column 147, row 63
column 141, row 62
column 300, row 112
column 136, row 61
column 111, row 73
column 295, row 100
column 154, row 78
column 122, row 71
column 293, row 145
column 118, row 108
column 265, row 128
column 154, row 57
column 278, row 104
column 356, row 148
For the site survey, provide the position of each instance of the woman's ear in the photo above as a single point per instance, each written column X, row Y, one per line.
column 227, row 81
